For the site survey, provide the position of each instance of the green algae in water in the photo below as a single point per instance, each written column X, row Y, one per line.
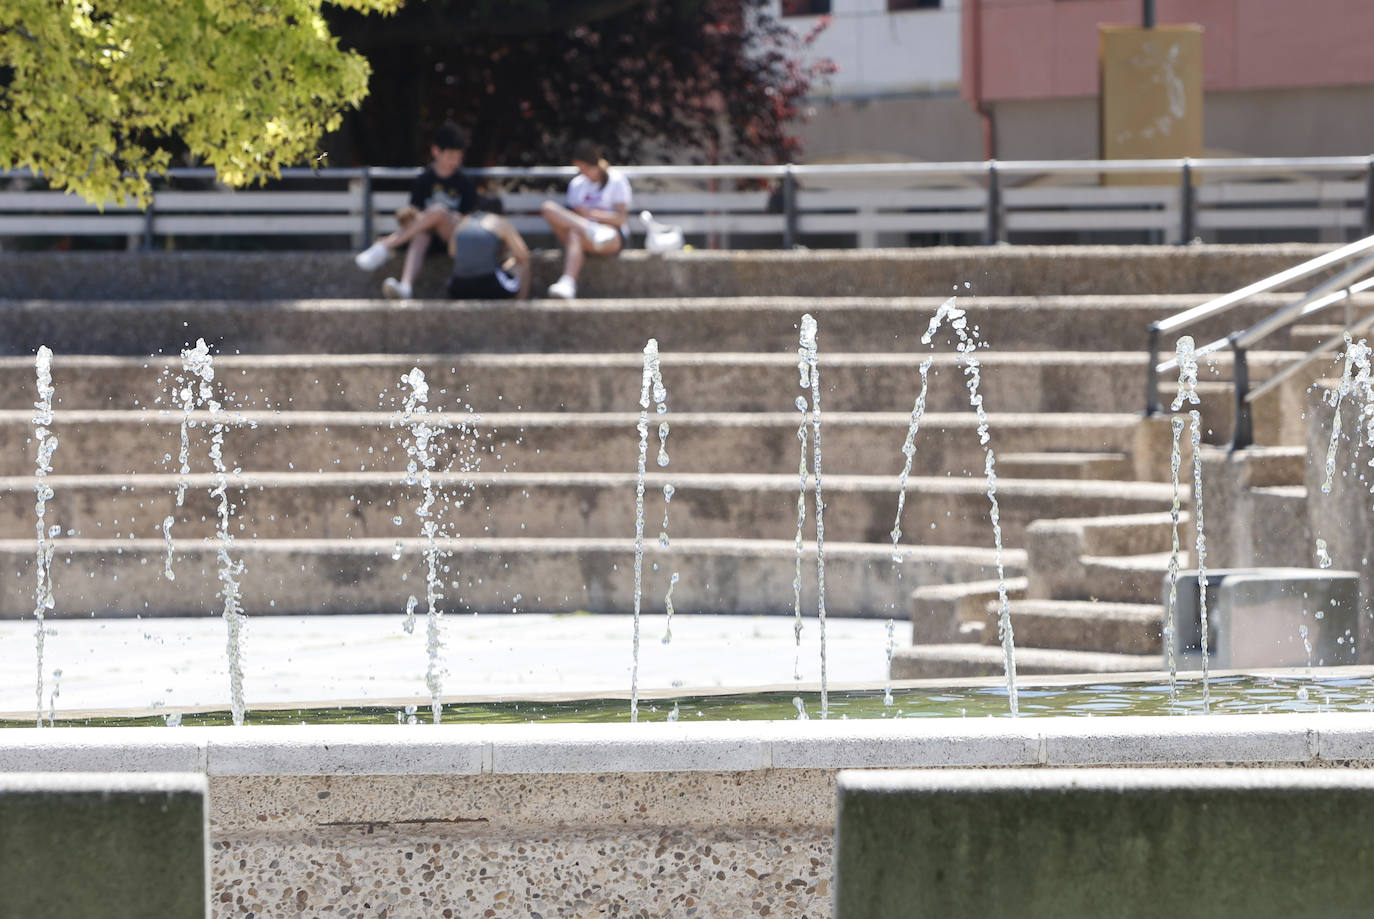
column 1237, row 694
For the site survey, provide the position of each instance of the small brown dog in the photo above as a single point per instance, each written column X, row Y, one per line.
column 406, row 215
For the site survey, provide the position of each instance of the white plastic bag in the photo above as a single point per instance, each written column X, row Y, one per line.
column 660, row 237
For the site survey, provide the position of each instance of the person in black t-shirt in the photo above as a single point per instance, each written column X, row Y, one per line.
column 439, row 194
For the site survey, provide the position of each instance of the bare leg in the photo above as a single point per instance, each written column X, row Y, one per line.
column 571, row 230
column 415, row 258
column 436, row 219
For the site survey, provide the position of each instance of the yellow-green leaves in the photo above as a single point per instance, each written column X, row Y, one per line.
column 99, row 90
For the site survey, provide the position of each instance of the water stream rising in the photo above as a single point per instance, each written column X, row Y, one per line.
column 651, row 392
column 47, row 445
column 967, row 347
column 199, row 368
column 419, row 471
column 801, row 523
column 808, row 367
column 909, row 453
column 1187, row 394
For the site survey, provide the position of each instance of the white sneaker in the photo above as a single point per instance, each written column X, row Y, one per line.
column 565, row 288
column 373, row 257
column 600, row 234
column 393, row 289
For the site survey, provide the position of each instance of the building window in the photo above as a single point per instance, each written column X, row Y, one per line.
column 805, row 7
column 894, row 6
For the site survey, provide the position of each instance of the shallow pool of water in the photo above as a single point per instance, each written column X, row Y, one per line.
column 1230, row 694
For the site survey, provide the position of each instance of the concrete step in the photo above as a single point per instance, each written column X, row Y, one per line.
column 1010, row 381
column 1124, row 579
column 128, row 577
column 1114, row 628
column 938, row 510
column 944, row 613
column 994, row 270
column 969, row 660
column 1064, row 465
column 869, row 443
column 846, row 324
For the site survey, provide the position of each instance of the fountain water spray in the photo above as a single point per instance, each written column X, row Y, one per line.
column 186, row 398
column 1355, row 375
column 651, row 388
column 801, row 523
column 891, row 646
column 199, row 366
column 967, row 346
column 808, row 366
column 1175, row 460
column 419, row 469
column 1187, row 393
column 909, row 453
column 47, row 445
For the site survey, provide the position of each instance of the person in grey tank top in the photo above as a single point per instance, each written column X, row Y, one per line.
column 490, row 260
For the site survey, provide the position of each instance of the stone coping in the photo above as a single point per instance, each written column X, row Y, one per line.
column 527, row 749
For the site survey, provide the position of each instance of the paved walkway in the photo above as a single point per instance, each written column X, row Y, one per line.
column 181, row 663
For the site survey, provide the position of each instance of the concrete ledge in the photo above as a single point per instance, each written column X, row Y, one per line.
column 1296, row 739
column 834, row 272
column 95, row 846
column 1076, row 844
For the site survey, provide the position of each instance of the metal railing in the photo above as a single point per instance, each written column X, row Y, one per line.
column 1344, row 284
column 1165, row 200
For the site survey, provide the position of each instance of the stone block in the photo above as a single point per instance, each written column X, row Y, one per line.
column 1089, row 843
column 103, row 846
column 1267, row 617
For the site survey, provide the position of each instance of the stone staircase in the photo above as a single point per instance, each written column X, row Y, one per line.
column 535, row 407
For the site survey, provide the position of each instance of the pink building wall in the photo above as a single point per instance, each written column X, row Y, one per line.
column 1047, row 49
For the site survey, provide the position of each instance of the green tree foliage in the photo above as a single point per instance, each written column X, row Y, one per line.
column 681, row 80
column 96, row 94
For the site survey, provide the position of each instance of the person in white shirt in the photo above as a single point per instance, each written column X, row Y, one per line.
column 594, row 220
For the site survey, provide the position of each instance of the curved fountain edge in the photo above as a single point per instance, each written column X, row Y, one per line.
column 524, row 749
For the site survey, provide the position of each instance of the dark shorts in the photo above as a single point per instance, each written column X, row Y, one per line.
column 495, row 286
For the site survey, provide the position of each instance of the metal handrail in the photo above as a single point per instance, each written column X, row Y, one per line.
column 1341, row 286
column 1351, row 329
column 1225, row 302
column 988, row 173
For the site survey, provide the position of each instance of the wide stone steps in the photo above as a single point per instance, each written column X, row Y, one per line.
column 128, row 577
column 973, row 660
column 938, row 510
column 762, row 324
column 869, row 443
column 1010, row 381
column 929, row 271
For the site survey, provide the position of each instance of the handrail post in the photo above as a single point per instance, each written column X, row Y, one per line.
column 367, row 206
column 789, row 208
column 1185, row 204
column 149, row 216
column 1152, row 406
column 1369, row 198
column 1243, row 435
column 994, row 230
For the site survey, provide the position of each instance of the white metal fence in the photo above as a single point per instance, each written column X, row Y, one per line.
column 864, row 204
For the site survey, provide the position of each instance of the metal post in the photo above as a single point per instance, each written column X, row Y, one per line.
column 367, row 206
column 1244, row 435
column 149, row 215
column 994, row 230
column 1185, row 204
column 1152, row 406
column 1148, row 14
column 789, row 209
column 1369, row 199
